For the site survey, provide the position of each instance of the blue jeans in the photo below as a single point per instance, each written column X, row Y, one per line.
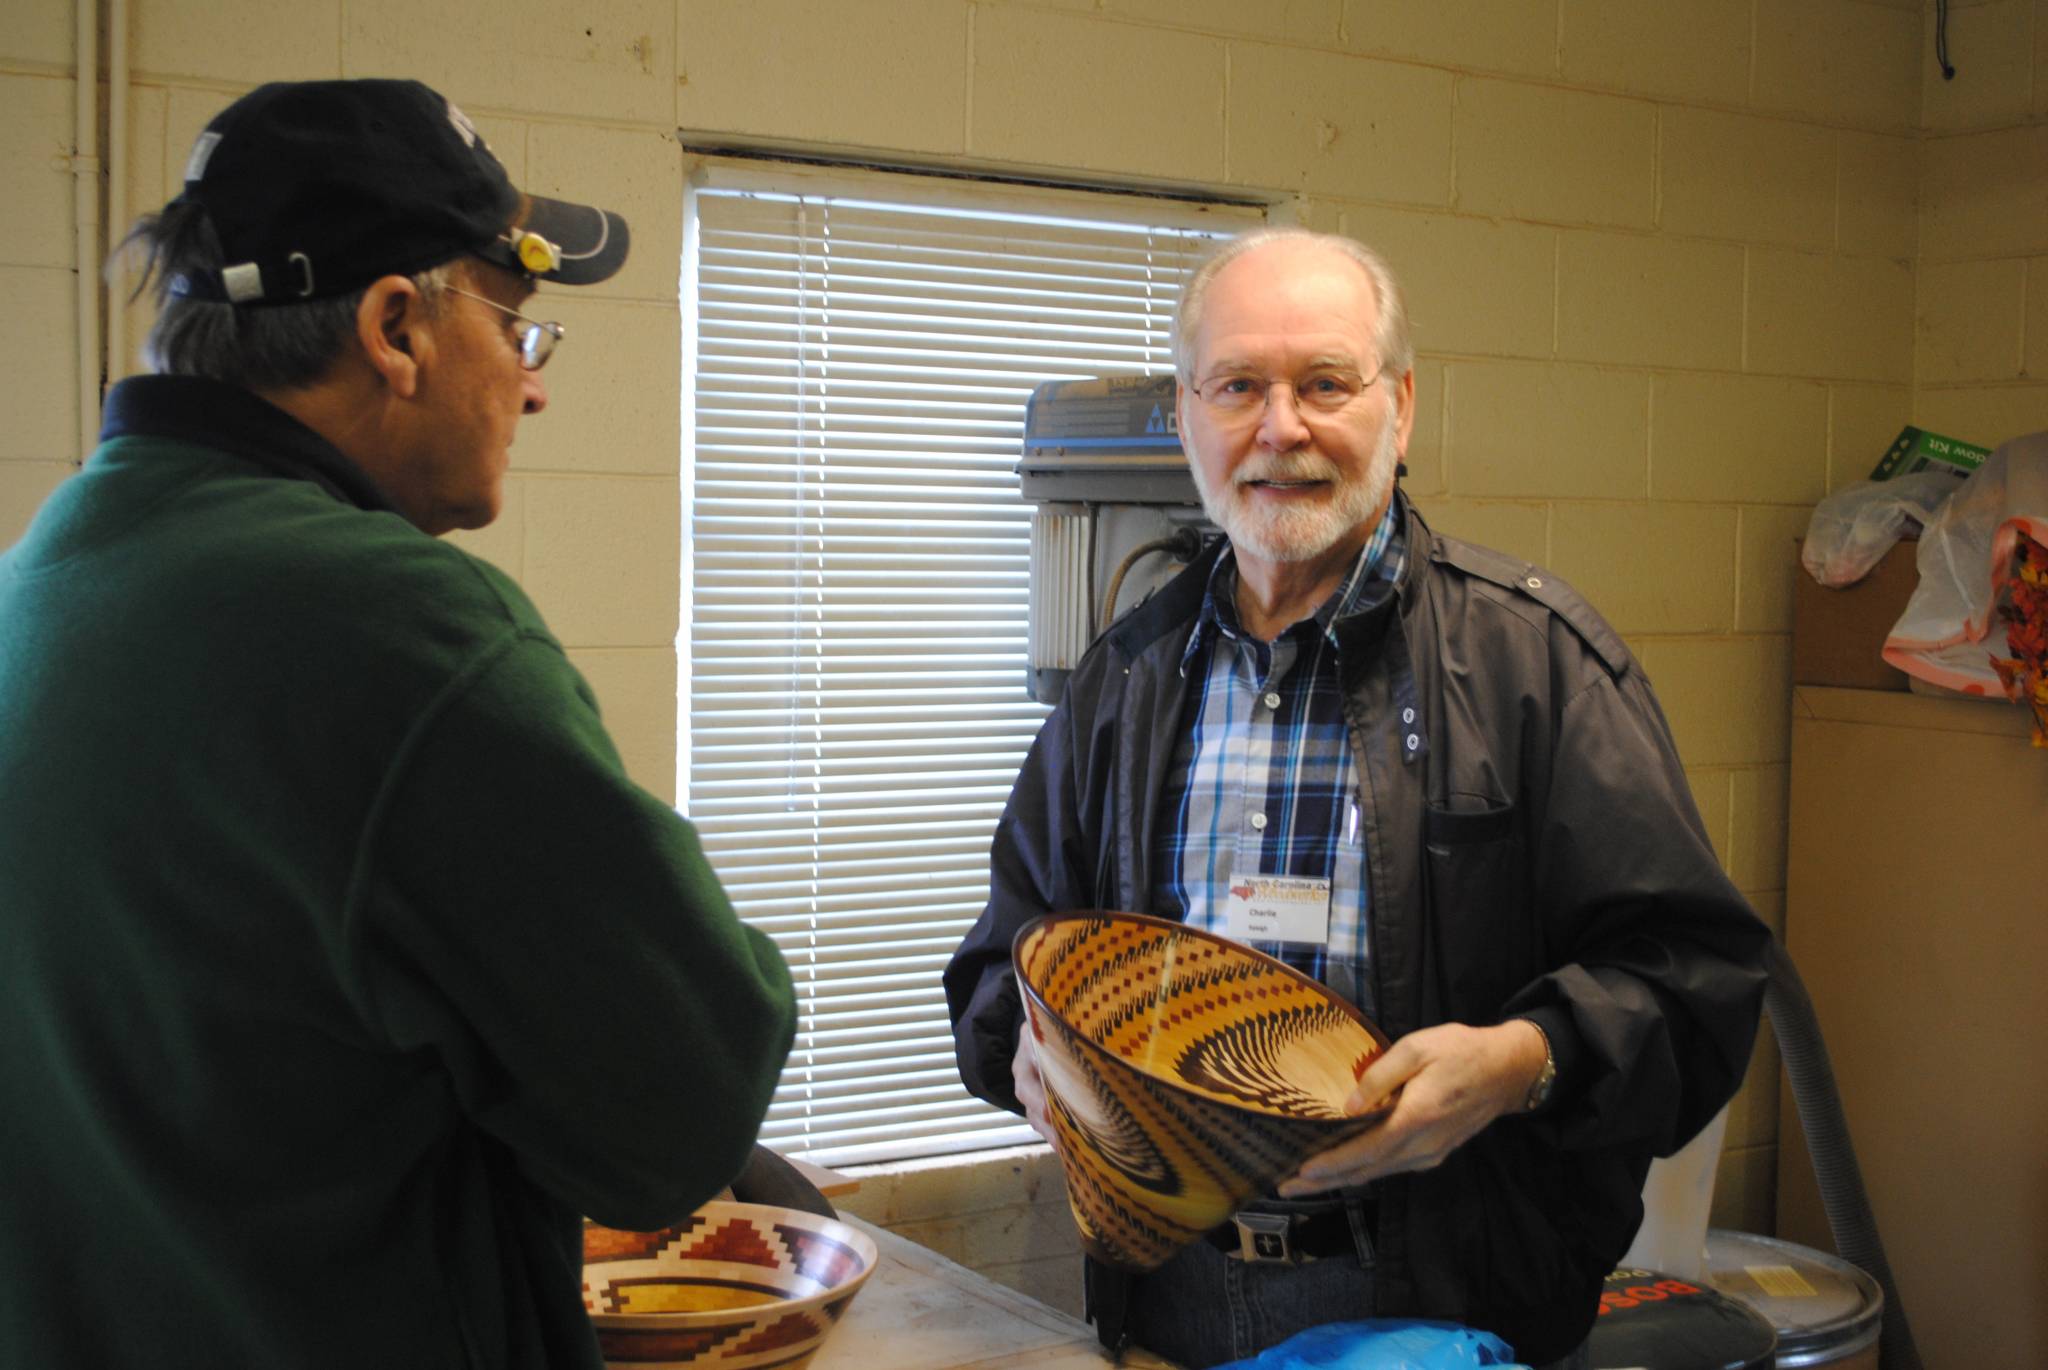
column 1203, row 1308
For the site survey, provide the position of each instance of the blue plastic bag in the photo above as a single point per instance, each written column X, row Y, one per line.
column 1384, row 1344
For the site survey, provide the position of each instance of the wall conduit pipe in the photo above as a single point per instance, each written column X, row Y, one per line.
column 117, row 186
column 85, row 174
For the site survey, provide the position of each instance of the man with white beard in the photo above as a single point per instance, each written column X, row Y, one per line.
column 1491, row 845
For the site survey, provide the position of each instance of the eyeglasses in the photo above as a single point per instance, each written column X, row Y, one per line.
column 1239, row 394
column 536, row 340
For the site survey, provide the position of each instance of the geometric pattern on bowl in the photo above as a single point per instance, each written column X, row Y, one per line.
column 1184, row 1073
column 734, row 1286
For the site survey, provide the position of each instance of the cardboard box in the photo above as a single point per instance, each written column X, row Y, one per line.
column 1916, row 449
column 1838, row 635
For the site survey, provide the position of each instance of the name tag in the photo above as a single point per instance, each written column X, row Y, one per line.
column 1277, row 908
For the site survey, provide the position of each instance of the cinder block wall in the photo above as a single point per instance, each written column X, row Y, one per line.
column 1981, row 302
column 1662, row 260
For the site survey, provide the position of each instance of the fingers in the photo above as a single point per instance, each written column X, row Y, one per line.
column 1453, row 1081
column 1030, row 1088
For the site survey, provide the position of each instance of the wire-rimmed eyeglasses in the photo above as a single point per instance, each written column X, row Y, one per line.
column 536, row 339
column 1326, row 390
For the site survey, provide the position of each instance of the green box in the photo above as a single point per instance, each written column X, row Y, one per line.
column 1916, row 449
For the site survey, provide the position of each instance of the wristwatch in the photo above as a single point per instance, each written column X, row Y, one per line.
column 1546, row 1078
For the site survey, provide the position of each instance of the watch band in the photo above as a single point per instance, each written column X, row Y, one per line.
column 1546, row 1078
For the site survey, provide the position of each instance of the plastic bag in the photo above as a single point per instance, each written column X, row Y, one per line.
column 1384, row 1344
column 1965, row 561
column 1857, row 524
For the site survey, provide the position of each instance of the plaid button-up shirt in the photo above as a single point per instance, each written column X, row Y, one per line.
column 1262, row 780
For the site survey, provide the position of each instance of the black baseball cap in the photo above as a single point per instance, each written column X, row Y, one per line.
column 317, row 188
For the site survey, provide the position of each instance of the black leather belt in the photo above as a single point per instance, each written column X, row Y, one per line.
column 1281, row 1238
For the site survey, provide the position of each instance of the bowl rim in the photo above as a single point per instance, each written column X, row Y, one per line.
column 681, row 1320
column 1372, row 1029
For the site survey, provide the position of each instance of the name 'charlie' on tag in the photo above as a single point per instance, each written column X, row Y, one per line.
column 1278, row 908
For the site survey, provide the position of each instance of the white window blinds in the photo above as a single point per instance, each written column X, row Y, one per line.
column 854, row 649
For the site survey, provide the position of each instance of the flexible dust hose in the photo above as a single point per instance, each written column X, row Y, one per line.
column 1842, row 1194
column 1184, row 543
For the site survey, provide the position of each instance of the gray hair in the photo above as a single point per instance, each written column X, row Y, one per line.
column 1396, row 348
column 258, row 347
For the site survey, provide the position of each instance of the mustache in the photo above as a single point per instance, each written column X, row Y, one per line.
column 1292, row 467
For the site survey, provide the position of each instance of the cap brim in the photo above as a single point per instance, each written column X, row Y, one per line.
column 593, row 241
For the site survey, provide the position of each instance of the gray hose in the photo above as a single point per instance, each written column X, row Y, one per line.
column 1184, row 543
column 1842, row 1194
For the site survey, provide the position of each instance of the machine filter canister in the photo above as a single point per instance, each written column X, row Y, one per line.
column 1824, row 1310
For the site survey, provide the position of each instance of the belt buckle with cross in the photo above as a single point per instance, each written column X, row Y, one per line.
column 1262, row 1238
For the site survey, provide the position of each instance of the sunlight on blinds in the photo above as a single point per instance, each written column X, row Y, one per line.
column 854, row 654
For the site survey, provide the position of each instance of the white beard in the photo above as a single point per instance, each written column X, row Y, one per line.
column 1292, row 533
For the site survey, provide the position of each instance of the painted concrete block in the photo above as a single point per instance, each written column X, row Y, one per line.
column 1520, row 529
column 1767, row 563
column 884, row 73
column 1829, row 316
column 1970, row 320
column 2040, row 102
column 41, row 33
column 604, row 558
column 614, row 62
column 1059, row 90
column 1984, row 194
column 39, row 365
column 1558, row 156
column 1507, row 36
column 1745, row 178
column 1725, row 696
column 1862, row 422
column 1425, row 459
column 1533, row 431
column 1640, row 300
column 242, row 42
column 1740, row 439
column 1878, row 177
column 1650, row 568
column 24, row 485
column 1680, row 49
column 1983, row 414
column 1334, row 124
column 1991, row 47
column 1474, row 286
column 1310, row 23
column 1874, row 340
column 636, row 694
column 614, row 389
column 1757, row 827
column 2035, row 362
column 1840, row 61
column 35, row 166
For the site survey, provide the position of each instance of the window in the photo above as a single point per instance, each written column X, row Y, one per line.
column 857, row 358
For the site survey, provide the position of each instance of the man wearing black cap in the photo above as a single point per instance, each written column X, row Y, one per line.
column 342, row 968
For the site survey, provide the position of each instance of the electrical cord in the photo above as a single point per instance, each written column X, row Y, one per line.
column 1948, row 73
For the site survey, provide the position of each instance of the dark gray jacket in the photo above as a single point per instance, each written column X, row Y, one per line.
column 1532, row 851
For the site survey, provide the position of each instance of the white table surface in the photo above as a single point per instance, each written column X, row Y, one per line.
column 920, row 1311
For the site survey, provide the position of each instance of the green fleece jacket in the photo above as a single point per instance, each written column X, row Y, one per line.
column 342, row 969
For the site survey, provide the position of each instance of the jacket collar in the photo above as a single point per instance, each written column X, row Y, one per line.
column 228, row 418
column 1180, row 601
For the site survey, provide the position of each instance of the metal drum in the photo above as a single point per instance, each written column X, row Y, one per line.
column 1825, row 1311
